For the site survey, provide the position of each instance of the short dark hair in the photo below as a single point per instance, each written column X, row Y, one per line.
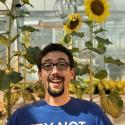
column 56, row 47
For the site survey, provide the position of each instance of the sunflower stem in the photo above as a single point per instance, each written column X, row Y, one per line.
column 9, row 105
column 91, row 63
column 24, row 84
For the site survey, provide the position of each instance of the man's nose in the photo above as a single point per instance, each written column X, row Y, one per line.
column 54, row 70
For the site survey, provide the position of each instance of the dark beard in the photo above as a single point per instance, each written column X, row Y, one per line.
column 52, row 92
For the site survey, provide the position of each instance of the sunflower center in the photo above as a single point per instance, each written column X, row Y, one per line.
column 73, row 24
column 97, row 7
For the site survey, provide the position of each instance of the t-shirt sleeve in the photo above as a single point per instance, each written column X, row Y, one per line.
column 13, row 118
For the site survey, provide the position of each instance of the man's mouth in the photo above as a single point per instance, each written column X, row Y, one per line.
column 56, row 82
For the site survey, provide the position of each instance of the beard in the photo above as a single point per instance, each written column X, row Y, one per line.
column 60, row 80
column 55, row 93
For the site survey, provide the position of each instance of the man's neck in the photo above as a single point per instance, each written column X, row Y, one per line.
column 57, row 101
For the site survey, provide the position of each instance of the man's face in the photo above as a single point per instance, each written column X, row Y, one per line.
column 56, row 73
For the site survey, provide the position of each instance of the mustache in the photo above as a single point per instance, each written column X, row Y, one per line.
column 51, row 78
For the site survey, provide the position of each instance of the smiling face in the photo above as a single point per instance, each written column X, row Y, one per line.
column 56, row 73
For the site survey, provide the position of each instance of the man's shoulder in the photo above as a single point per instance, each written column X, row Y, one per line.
column 85, row 103
column 82, row 101
column 32, row 105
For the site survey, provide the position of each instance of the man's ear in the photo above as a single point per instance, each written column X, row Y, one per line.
column 73, row 73
column 39, row 74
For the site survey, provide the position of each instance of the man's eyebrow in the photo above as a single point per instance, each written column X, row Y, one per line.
column 47, row 60
column 50, row 60
column 62, row 59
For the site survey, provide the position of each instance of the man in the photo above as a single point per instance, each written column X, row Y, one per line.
column 56, row 69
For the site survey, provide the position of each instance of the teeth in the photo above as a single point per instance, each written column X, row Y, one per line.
column 56, row 80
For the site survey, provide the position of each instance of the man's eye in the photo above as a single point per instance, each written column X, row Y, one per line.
column 62, row 64
column 47, row 65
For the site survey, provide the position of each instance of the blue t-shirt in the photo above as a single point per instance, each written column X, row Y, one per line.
column 75, row 112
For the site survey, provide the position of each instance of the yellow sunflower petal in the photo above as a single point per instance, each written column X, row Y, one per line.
column 73, row 23
column 97, row 10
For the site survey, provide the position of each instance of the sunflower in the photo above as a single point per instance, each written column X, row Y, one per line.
column 73, row 23
column 97, row 10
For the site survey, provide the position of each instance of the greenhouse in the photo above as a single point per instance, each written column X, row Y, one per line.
column 65, row 57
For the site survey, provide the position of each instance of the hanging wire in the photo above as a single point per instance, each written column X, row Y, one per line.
column 63, row 8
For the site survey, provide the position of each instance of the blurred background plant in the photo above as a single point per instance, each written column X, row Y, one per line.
column 11, row 74
column 97, row 12
column 89, row 79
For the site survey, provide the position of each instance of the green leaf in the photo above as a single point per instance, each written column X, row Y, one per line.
column 82, row 69
column 28, row 28
column 78, row 34
column 79, row 93
column 3, row 40
column 104, row 41
column 99, row 30
column 27, row 2
column 89, row 45
column 101, row 49
column 14, row 38
column 112, row 61
column 112, row 104
column 3, row 1
column 88, row 23
column 26, row 39
column 74, row 49
column 115, row 97
column 67, row 38
column 32, row 55
column 101, row 74
column 7, row 78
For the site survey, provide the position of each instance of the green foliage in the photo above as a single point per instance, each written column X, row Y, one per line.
column 82, row 69
column 28, row 28
column 78, row 34
column 112, row 104
column 113, row 61
column 32, row 91
column 101, row 74
column 27, row 2
column 14, row 38
column 94, row 44
column 74, row 49
column 32, row 55
column 3, row 1
column 89, row 45
column 67, row 38
column 8, row 77
column 3, row 40
column 102, row 40
column 99, row 31
column 101, row 49
column 115, row 97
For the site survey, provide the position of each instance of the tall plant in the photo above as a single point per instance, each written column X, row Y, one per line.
column 8, row 75
column 97, row 12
